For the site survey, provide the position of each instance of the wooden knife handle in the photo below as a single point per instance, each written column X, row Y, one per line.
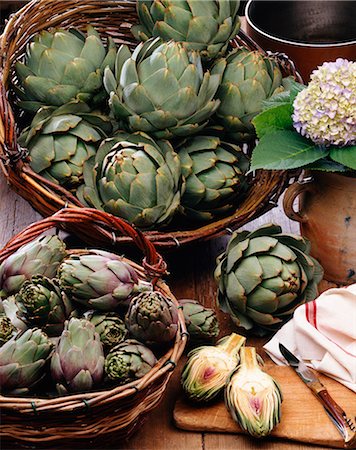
column 330, row 404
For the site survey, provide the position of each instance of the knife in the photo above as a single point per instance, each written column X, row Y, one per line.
column 344, row 425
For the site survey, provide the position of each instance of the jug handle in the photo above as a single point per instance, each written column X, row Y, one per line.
column 293, row 191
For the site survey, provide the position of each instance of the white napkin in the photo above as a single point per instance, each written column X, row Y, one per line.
column 323, row 334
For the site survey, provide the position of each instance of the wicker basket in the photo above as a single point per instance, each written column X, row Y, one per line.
column 112, row 18
column 73, row 420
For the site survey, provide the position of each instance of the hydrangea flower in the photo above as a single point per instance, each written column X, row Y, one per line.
column 325, row 111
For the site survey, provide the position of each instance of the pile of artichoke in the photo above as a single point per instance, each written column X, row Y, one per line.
column 83, row 320
column 152, row 134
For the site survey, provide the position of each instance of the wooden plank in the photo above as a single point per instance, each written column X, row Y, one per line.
column 303, row 416
column 213, row 441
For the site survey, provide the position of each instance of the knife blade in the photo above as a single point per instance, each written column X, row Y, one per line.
column 336, row 414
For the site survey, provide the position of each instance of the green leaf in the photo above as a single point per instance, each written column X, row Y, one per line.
column 295, row 88
column 283, row 150
column 282, row 98
column 326, row 165
column 292, row 88
column 345, row 156
column 273, row 119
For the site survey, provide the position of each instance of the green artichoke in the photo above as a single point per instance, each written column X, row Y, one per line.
column 23, row 361
column 152, row 318
column 208, row 367
column 253, row 397
column 42, row 303
column 10, row 308
column 134, row 177
column 203, row 25
column 7, row 329
column 215, row 176
column 99, row 280
column 109, row 327
column 202, row 323
column 161, row 89
column 40, row 257
column 62, row 66
column 249, row 79
column 78, row 360
column 61, row 140
column 264, row 275
column 129, row 361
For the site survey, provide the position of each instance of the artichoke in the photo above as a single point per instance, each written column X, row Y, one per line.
column 253, row 397
column 152, row 318
column 109, row 327
column 62, row 66
column 134, row 177
column 60, row 141
column 264, row 275
column 249, row 79
column 202, row 323
column 129, row 361
column 40, row 257
column 78, row 360
column 10, row 308
column 203, row 25
column 99, row 280
column 162, row 89
column 7, row 329
column 42, row 303
column 215, row 176
column 208, row 367
column 23, row 361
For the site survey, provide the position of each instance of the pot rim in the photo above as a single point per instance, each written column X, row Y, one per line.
column 287, row 41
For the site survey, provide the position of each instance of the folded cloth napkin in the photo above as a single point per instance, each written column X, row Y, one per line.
column 323, row 334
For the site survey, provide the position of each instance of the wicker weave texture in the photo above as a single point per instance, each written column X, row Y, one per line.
column 97, row 414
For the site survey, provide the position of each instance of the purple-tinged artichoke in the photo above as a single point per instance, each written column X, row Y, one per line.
column 325, row 111
column 7, row 329
column 202, row 323
column 41, row 303
column 110, row 327
column 208, row 367
column 152, row 318
column 253, row 397
column 100, row 280
column 77, row 364
column 40, row 257
column 129, row 361
column 23, row 361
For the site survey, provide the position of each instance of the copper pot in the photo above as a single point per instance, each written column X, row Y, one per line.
column 327, row 217
column 309, row 32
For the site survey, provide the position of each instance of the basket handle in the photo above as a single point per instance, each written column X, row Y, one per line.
column 105, row 224
column 10, row 151
column 293, row 191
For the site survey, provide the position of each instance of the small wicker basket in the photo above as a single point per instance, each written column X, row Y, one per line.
column 71, row 421
column 113, row 18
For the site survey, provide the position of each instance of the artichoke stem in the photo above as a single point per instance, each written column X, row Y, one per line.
column 142, row 286
column 232, row 343
column 248, row 357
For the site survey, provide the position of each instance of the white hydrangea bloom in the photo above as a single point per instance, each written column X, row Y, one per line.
column 325, row 111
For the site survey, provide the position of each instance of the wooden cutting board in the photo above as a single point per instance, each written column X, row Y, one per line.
column 303, row 417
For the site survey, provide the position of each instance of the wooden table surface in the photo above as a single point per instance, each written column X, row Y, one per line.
column 191, row 277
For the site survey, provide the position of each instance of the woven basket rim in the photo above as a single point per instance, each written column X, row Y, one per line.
column 46, row 197
column 152, row 268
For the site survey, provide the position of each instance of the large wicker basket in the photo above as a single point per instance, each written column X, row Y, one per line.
column 114, row 18
column 71, row 421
